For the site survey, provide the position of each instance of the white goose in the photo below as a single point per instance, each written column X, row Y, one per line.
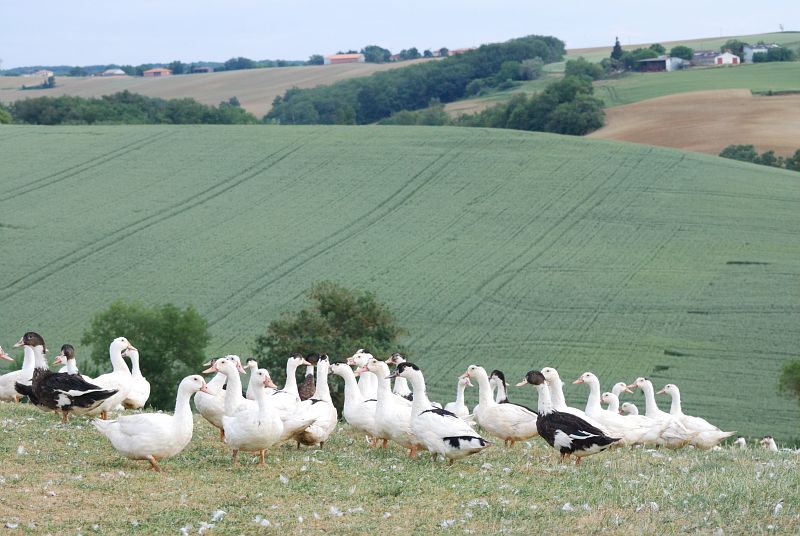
column 320, row 409
column 619, row 388
column 140, row 387
column 675, row 434
column 367, row 382
column 154, row 436
column 358, row 412
column 211, row 402
column 392, row 412
column 510, row 422
column 708, row 435
column 400, row 384
column 612, row 400
column 459, row 407
column 441, row 431
column 630, row 431
column 23, row 375
column 292, row 364
column 119, row 378
column 556, row 388
column 628, row 408
column 248, row 428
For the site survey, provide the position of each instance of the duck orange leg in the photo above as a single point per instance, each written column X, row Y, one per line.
column 235, row 457
column 385, row 443
column 262, row 454
column 222, row 434
column 153, row 463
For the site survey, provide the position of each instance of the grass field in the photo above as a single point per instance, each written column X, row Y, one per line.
column 760, row 77
column 255, row 88
column 67, row 479
column 509, row 249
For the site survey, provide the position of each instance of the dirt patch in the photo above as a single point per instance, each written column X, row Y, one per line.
column 708, row 121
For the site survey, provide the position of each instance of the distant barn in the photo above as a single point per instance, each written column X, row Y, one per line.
column 202, row 69
column 113, row 72
column 158, row 71
column 344, row 58
column 661, row 63
column 712, row 57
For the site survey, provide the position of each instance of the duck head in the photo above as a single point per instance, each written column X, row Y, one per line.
column 33, row 339
column 533, row 377
column 67, row 353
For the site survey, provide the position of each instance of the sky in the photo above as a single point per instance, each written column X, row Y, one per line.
column 101, row 32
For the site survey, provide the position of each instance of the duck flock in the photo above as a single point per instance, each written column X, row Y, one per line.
column 263, row 415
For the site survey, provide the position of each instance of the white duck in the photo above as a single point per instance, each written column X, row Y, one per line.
column 154, row 436
column 768, row 442
column 612, row 400
column 119, row 378
column 358, row 412
column 740, row 442
column 510, row 422
column 320, row 409
column 400, row 384
column 441, row 431
column 292, row 365
column 249, row 427
column 70, row 365
column 619, row 388
column 211, row 402
column 631, row 431
column 392, row 412
column 140, row 387
column 459, row 407
column 23, row 375
column 708, row 435
column 628, row 408
column 556, row 388
column 367, row 382
column 675, row 434
column 498, row 382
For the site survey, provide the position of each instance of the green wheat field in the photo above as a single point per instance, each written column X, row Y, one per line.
column 507, row 249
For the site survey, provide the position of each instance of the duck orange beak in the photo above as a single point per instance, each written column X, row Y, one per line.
column 520, row 384
column 212, row 368
column 662, row 391
column 19, row 343
column 632, row 386
column 269, row 383
column 579, row 380
column 204, row 389
column 4, row 355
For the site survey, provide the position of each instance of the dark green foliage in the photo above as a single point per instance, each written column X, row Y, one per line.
column 531, row 69
column 789, row 380
column 745, row 153
column 412, row 88
column 338, row 322
column 124, row 108
column 433, row 115
column 616, row 52
column 581, row 67
column 376, row 54
column 509, row 70
column 748, row 153
column 5, row 115
column 410, row 54
column 78, row 71
column 236, row 64
column 631, row 59
column 774, row 54
column 734, row 45
column 658, row 48
column 682, row 52
column 315, row 59
column 171, row 344
column 566, row 107
column 178, row 67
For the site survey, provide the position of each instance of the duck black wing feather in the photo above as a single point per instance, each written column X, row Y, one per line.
column 27, row 390
column 61, row 390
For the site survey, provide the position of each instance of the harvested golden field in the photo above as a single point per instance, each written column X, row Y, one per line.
column 708, row 121
column 255, row 88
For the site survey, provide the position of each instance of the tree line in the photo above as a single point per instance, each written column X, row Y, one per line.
column 370, row 99
column 748, row 153
column 123, row 108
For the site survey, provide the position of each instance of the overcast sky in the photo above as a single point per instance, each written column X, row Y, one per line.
column 99, row 32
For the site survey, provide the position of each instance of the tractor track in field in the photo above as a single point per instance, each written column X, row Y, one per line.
column 77, row 169
column 313, row 251
column 96, row 246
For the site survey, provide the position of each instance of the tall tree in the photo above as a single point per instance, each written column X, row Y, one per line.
column 171, row 343
column 681, row 51
column 616, row 52
column 376, row 54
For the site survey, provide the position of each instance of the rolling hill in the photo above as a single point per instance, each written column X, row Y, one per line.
column 255, row 88
column 510, row 249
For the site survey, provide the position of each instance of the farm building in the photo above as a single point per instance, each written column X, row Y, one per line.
column 749, row 50
column 344, row 58
column 113, row 72
column 661, row 63
column 202, row 69
column 457, row 51
column 158, row 71
column 712, row 57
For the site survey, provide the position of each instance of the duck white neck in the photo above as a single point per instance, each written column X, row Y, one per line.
column 322, row 391
column 183, row 410
column 556, row 389
column 650, row 406
column 420, row 402
column 39, row 359
column 28, row 361
column 117, row 363
column 401, row 386
column 382, row 377
column 291, row 379
column 309, row 370
column 545, row 402
column 217, row 381
column 233, row 392
column 484, row 389
column 675, row 408
column 460, row 387
column 72, row 366
column 593, row 403
column 501, row 394
column 352, row 394
column 135, row 370
column 613, row 403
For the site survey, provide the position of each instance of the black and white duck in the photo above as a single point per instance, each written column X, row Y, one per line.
column 308, row 386
column 64, row 393
column 565, row 432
